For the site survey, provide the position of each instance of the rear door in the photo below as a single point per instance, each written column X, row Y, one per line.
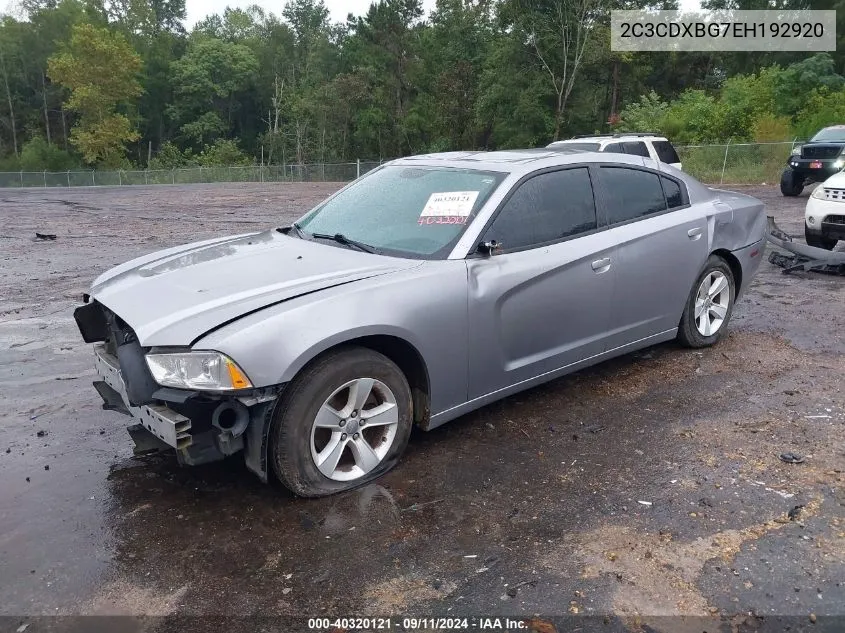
column 543, row 302
column 661, row 246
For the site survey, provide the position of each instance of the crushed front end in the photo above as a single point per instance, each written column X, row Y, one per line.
column 200, row 425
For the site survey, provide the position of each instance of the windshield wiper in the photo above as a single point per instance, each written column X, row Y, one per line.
column 340, row 238
column 293, row 229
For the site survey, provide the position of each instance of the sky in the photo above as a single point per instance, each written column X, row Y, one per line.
column 198, row 9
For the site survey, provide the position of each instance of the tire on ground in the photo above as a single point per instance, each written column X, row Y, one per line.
column 791, row 184
column 688, row 334
column 290, row 433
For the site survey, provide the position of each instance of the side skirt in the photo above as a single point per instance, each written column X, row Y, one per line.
column 462, row 409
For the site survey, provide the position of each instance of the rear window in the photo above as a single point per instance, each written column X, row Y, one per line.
column 631, row 193
column 674, row 197
column 665, row 152
column 615, row 148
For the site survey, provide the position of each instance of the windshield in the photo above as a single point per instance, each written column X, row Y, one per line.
column 407, row 211
column 830, row 134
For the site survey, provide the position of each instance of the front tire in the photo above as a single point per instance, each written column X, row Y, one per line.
column 709, row 306
column 343, row 421
column 814, row 239
column 791, row 184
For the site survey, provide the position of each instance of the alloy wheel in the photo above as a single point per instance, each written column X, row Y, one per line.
column 712, row 302
column 354, row 429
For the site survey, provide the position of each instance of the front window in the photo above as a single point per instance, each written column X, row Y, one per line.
column 830, row 134
column 406, row 211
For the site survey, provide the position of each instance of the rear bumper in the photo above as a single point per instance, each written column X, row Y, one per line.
column 749, row 259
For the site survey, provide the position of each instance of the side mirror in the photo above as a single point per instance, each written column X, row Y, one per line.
column 489, row 248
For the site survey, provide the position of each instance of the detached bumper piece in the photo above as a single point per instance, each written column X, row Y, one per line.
column 802, row 257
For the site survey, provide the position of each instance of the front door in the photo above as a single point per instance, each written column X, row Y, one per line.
column 542, row 302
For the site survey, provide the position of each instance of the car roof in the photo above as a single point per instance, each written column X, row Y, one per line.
column 516, row 161
column 601, row 138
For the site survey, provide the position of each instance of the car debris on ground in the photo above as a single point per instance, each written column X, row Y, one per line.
column 803, row 257
column 792, row 458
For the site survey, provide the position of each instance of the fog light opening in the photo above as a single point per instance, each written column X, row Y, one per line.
column 231, row 418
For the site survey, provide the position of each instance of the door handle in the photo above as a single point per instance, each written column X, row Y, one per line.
column 695, row 233
column 601, row 265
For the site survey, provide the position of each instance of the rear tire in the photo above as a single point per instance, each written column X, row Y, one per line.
column 813, row 239
column 709, row 306
column 791, row 184
column 311, row 421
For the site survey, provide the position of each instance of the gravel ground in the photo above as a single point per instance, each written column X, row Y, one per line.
column 647, row 488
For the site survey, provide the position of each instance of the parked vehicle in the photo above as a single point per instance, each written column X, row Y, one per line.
column 648, row 145
column 426, row 289
column 824, row 217
column 814, row 161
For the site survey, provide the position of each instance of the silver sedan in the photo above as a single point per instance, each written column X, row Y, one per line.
column 430, row 287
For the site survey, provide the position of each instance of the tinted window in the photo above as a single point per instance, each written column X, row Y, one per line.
column 665, row 152
column 637, row 148
column 672, row 189
column 631, row 193
column 546, row 208
column 616, row 148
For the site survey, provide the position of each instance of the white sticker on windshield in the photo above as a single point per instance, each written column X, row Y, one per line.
column 448, row 207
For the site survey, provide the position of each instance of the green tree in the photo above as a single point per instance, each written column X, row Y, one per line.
column 223, row 153
column 207, row 83
column 37, row 154
column 100, row 69
column 646, row 115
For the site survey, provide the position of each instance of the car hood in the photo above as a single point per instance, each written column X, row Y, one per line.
column 173, row 297
column 836, row 180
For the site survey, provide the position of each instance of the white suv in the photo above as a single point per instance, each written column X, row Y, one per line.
column 647, row 145
column 824, row 219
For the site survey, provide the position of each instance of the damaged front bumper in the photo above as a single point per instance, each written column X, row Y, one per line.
column 173, row 429
column 804, row 257
column 201, row 428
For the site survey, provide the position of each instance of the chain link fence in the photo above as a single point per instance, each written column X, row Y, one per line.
column 736, row 163
column 728, row 163
column 315, row 172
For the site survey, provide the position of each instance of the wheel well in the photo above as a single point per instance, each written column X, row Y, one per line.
column 409, row 361
column 733, row 263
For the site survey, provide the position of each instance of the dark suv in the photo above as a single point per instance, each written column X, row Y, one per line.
column 814, row 161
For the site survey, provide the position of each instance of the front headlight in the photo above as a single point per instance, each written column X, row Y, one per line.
column 796, row 151
column 818, row 193
column 211, row 371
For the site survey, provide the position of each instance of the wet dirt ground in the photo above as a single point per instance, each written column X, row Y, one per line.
column 647, row 486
